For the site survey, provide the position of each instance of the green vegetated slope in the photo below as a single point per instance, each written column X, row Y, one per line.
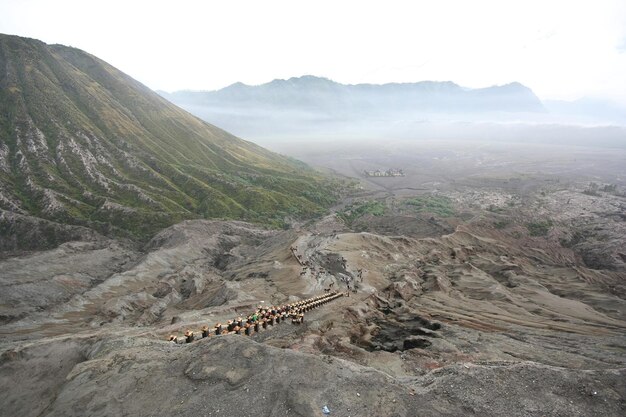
column 83, row 143
column 439, row 205
column 359, row 209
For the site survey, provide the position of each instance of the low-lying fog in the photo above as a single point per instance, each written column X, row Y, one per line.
column 265, row 127
column 435, row 163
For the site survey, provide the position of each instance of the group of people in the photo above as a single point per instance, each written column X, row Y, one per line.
column 262, row 318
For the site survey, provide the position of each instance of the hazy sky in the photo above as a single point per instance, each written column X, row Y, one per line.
column 561, row 49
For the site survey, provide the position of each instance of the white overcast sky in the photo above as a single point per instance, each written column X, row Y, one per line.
column 561, row 49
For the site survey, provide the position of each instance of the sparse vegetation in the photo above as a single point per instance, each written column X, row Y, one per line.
column 495, row 209
column 592, row 189
column 609, row 188
column 539, row 228
column 441, row 206
column 573, row 240
column 356, row 210
column 501, row 224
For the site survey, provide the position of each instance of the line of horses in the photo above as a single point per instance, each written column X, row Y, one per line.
column 262, row 318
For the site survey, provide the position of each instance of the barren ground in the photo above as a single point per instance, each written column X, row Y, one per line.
column 504, row 295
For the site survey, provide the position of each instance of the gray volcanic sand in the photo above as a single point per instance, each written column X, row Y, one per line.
column 470, row 314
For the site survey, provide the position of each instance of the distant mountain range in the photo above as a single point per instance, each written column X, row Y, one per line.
column 314, row 107
column 315, row 94
column 81, row 143
column 311, row 106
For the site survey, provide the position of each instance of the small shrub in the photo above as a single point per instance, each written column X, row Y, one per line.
column 501, row 224
column 540, row 228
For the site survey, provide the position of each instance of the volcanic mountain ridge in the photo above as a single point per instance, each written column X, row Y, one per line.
column 83, row 144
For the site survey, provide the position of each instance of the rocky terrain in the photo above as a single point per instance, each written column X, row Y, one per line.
column 478, row 319
column 493, row 293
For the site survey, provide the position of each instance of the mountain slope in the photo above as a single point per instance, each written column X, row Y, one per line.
column 83, row 143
